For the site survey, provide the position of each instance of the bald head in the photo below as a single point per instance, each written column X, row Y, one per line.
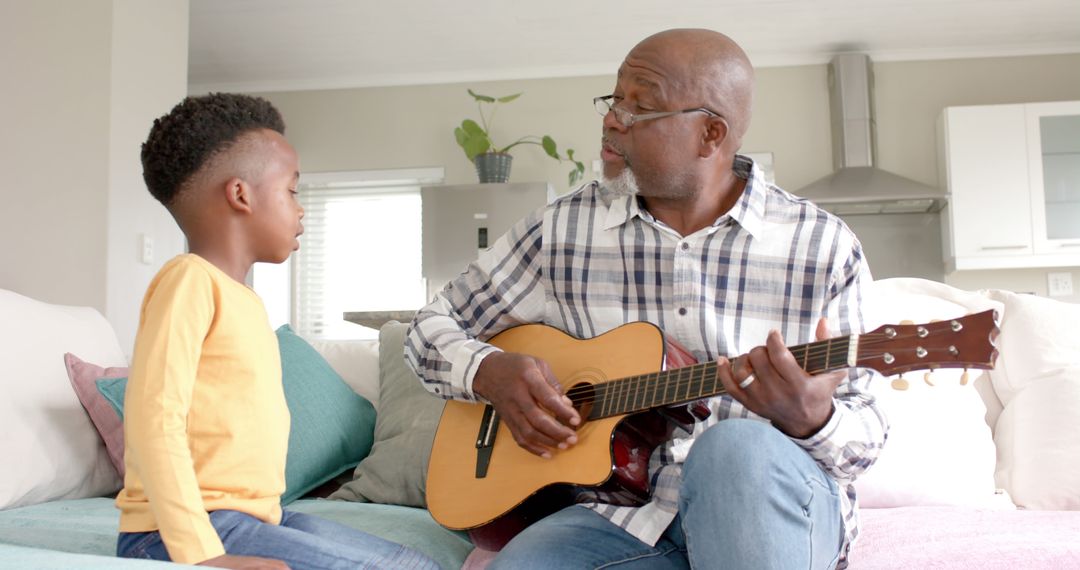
column 706, row 66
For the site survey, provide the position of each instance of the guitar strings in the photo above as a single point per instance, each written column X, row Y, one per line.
column 630, row 388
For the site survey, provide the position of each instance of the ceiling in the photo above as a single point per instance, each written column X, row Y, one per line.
column 276, row 45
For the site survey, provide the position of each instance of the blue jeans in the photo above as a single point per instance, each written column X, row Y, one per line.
column 750, row 498
column 301, row 541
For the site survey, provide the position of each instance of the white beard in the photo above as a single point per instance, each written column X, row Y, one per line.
column 625, row 184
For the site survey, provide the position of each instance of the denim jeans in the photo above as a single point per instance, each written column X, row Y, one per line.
column 750, row 498
column 301, row 541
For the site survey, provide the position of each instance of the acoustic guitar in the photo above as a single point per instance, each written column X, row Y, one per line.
column 632, row 386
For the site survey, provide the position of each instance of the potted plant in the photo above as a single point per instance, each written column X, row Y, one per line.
column 492, row 161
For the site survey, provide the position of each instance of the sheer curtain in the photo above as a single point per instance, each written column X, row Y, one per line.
column 361, row 249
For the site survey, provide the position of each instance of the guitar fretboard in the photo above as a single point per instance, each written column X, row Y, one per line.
column 639, row 393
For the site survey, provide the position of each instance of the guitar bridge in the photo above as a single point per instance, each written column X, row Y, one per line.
column 485, row 440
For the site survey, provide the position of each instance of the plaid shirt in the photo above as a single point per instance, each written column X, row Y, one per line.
column 592, row 261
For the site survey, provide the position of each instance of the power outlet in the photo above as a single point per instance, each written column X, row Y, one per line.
column 1059, row 284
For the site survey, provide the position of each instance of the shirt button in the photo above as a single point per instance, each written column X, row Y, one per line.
column 685, row 246
column 437, row 391
column 682, row 311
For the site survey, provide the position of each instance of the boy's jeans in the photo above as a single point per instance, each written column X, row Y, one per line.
column 301, row 541
column 750, row 498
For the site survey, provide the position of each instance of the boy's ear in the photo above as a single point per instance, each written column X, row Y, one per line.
column 238, row 194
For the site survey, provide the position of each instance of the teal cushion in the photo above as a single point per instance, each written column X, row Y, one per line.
column 112, row 389
column 332, row 427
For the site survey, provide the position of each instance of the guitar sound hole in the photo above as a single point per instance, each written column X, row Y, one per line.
column 583, row 396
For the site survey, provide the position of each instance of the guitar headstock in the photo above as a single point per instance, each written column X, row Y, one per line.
column 965, row 342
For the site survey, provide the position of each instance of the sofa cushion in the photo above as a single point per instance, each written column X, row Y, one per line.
column 112, row 391
column 1038, row 442
column 395, row 471
column 1039, row 341
column 90, row 526
column 44, row 430
column 84, row 377
column 959, row 538
column 332, row 426
column 1038, row 379
column 940, row 450
column 356, row 361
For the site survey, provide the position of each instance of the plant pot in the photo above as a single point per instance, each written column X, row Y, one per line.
column 493, row 166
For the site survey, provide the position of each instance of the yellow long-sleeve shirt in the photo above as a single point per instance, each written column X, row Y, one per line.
column 206, row 425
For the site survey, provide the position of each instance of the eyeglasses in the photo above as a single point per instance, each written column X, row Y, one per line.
column 627, row 119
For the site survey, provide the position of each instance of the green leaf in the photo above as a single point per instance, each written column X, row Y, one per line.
column 479, row 97
column 577, row 173
column 472, row 138
column 476, row 145
column 472, row 128
column 509, row 98
column 570, row 155
column 549, row 147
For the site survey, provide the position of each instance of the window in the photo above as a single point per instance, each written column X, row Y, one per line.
column 361, row 249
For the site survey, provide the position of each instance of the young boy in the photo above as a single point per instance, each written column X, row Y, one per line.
column 206, row 423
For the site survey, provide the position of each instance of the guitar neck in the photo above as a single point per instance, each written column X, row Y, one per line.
column 669, row 387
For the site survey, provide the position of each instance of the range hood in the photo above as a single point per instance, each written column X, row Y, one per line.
column 857, row 186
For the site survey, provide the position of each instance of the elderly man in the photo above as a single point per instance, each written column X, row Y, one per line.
column 686, row 234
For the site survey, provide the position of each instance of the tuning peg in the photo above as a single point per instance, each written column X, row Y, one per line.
column 899, row 383
column 964, row 378
column 907, row 322
column 927, row 378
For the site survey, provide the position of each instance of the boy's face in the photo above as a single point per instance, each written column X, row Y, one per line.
column 276, row 223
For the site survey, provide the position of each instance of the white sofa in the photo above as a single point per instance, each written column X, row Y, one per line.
column 57, row 482
column 960, row 459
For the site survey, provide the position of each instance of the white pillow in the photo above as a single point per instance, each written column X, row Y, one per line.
column 356, row 361
column 1038, row 378
column 1040, row 339
column 940, row 450
column 1038, row 441
column 49, row 447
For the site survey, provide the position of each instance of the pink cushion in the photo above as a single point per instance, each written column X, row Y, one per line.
column 83, row 376
column 909, row 538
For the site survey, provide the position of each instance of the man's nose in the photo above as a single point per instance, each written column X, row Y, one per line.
column 612, row 122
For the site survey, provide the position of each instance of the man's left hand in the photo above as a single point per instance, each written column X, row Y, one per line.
column 797, row 403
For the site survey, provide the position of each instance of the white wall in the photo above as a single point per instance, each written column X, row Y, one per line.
column 149, row 77
column 54, row 152
column 408, row 127
column 83, row 82
column 401, row 127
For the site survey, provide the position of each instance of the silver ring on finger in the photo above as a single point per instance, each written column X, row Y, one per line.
column 747, row 382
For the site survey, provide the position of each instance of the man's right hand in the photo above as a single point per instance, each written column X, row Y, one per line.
column 244, row 563
column 529, row 399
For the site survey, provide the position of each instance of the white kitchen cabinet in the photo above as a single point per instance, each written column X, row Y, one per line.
column 1053, row 134
column 1013, row 184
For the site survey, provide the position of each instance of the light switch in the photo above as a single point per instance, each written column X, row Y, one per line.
column 1059, row 284
column 146, row 249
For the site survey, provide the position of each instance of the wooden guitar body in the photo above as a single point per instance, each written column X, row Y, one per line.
column 612, row 453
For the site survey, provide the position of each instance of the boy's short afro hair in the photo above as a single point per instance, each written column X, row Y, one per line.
column 183, row 140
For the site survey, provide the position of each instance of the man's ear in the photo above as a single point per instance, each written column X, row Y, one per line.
column 238, row 194
column 714, row 137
